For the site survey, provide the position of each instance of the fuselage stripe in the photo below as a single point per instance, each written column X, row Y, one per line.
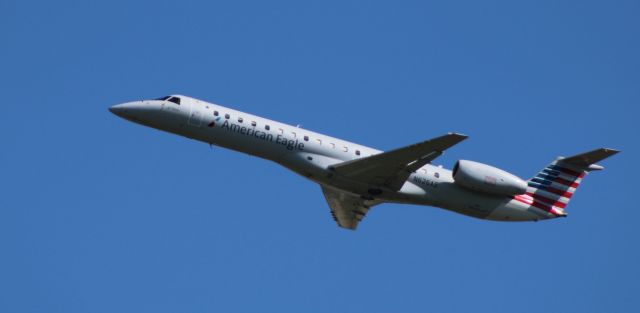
column 566, row 171
column 559, row 204
column 548, row 195
column 541, row 181
column 551, row 190
column 547, row 180
column 536, row 204
column 567, row 183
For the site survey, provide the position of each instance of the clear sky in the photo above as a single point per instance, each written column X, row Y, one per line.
column 98, row 214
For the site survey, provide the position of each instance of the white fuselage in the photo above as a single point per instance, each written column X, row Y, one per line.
column 311, row 155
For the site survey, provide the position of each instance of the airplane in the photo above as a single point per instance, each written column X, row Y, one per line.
column 354, row 178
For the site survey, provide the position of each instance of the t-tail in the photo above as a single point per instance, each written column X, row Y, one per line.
column 552, row 189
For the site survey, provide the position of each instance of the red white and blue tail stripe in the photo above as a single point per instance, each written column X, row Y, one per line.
column 552, row 188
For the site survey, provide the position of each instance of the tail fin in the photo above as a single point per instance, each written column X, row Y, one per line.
column 551, row 189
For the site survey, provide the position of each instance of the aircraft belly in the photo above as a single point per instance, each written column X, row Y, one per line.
column 514, row 214
column 455, row 198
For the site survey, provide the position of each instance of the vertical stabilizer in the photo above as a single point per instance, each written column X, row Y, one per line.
column 552, row 188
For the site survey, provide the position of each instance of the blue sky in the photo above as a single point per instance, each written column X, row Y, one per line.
column 101, row 215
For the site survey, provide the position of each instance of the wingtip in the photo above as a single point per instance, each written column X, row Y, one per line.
column 350, row 227
column 462, row 136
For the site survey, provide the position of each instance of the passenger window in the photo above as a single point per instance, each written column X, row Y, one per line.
column 253, row 123
column 239, row 119
column 319, row 141
column 345, row 149
column 333, row 145
column 281, row 131
column 436, row 174
column 215, row 113
column 267, row 127
column 424, row 171
column 306, row 138
column 294, row 134
column 357, row 152
column 227, row 116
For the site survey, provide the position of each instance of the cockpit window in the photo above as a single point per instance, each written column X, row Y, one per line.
column 175, row 100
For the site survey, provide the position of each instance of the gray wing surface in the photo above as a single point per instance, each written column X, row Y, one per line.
column 391, row 169
column 347, row 209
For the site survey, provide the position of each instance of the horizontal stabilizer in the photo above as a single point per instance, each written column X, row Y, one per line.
column 589, row 159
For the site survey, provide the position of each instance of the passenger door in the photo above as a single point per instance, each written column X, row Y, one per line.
column 195, row 118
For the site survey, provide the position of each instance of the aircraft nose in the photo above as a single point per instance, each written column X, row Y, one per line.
column 143, row 112
column 120, row 109
column 134, row 109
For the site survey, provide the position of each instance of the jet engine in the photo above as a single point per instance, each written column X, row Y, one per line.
column 488, row 179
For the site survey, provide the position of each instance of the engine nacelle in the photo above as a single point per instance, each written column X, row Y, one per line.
column 484, row 178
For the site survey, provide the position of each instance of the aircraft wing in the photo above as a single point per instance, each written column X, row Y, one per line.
column 347, row 209
column 391, row 169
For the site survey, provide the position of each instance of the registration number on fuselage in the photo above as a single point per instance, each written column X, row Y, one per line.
column 425, row 182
